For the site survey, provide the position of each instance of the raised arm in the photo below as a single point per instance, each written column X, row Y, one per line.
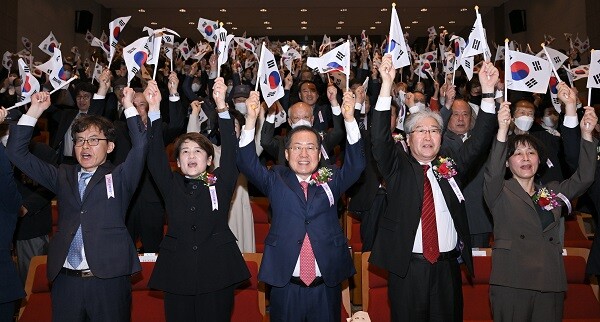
column 496, row 164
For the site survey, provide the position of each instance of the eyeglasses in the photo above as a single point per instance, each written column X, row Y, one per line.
column 83, row 97
column 91, row 141
column 433, row 131
column 297, row 149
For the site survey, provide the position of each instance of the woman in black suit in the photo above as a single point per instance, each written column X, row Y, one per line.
column 199, row 263
column 11, row 288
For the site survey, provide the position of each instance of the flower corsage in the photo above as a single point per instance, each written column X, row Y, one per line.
column 209, row 179
column 444, row 168
column 546, row 199
column 323, row 175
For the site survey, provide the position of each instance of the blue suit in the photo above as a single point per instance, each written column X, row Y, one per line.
column 11, row 288
column 294, row 216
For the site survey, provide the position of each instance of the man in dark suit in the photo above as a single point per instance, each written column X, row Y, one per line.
column 87, row 103
column 306, row 255
column 11, row 288
column 458, row 131
column 91, row 255
column 424, row 231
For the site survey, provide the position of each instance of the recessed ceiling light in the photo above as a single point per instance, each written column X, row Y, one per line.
column 303, row 10
column 383, row 9
column 441, row 27
column 377, row 22
column 303, row 28
column 263, row 10
column 269, row 28
column 340, row 22
column 343, row 10
column 191, row 23
column 181, row 10
column 424, row 10
column 407, row 27
column 233, row 28
column 223, row 10
column 266, row 22
column 338, row 27
column 141, row 10
column 415, row 22
column 229, row 23
column 463, row 9
column 372, row 27
column 451, row 21
column 154, row 23
column 303, row 22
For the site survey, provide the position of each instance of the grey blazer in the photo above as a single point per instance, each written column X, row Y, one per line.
column 524, row 255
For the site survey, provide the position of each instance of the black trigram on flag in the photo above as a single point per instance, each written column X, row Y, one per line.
column 271, row 64
column 57, row 80
column 555, row 101
column 557, row 60
column 400, row 53
column 271, row 94
column 222, row 36
column 536, row 65
column 476, row 44
column 467, row 64
column 113, row 44
column 597, row 79
column 532, row 82
column 339, row 55
column 121, row 23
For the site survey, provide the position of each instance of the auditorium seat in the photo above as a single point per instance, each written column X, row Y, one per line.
column 352, row 228
column 476, row 289
column 54, row 218
column 580, row 301
column 37, row 306
column 260, row 212
column 249, row 305
column 574, row 236
column 374, row 290
column 147, row 305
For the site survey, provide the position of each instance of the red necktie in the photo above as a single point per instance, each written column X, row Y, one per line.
column 431, row 248
column 307, row 257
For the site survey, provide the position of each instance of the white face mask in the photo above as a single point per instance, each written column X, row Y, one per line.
column 229, row 88
column 67, row 74
column 241, row 107
column 417, row 107
column 195, row 87
column 301, row 122
column 400, row 97
column 549, row 121
column 524, row 122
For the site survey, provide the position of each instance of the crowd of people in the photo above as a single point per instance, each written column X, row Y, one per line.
column 432, row 167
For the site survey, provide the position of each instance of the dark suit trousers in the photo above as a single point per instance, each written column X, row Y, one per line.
column 93, row 299
column 428, row 292
column 515, row 304
column 213, row 306
column 295, row 303
column 7, row 311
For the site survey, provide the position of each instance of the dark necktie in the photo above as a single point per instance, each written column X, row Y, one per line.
column 431, row 248
column 307, row 257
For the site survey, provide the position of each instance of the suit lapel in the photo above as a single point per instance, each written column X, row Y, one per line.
column 72, row 179
column 292, row 181
column 102, row 170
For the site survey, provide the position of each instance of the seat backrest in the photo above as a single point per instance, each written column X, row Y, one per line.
column 249, row 303
column 139, row 280
column 374, row 290
column 37, row 280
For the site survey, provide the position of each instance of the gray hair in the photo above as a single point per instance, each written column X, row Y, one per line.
column 415, row 118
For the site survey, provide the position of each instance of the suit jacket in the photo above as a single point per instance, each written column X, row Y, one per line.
column 108, row 247
column 404, row 181
column 275, row 145
column 524, row 254
column 294, row 216
column 199, row 253
column 10, row 201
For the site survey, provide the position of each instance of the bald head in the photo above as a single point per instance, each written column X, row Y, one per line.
column 460, row 119
column 300, row 111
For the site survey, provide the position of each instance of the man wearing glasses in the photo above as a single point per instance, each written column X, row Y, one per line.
column 424, row 236
column 306, row 255
column 91, row 255
column 87, row 103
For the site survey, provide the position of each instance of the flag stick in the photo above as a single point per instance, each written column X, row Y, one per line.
column 219, row 65
column 589, row 97
column 25, row 101
column 551, row 64
column 506, row 69
column 67, row 82
column 389, row 44
column 348, row 76
column 570, row 81
column 260, row 62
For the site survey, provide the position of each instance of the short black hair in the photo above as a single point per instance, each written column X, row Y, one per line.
column 85, row 87
column 84, row 122
column 530, row 140
column 302, row 128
